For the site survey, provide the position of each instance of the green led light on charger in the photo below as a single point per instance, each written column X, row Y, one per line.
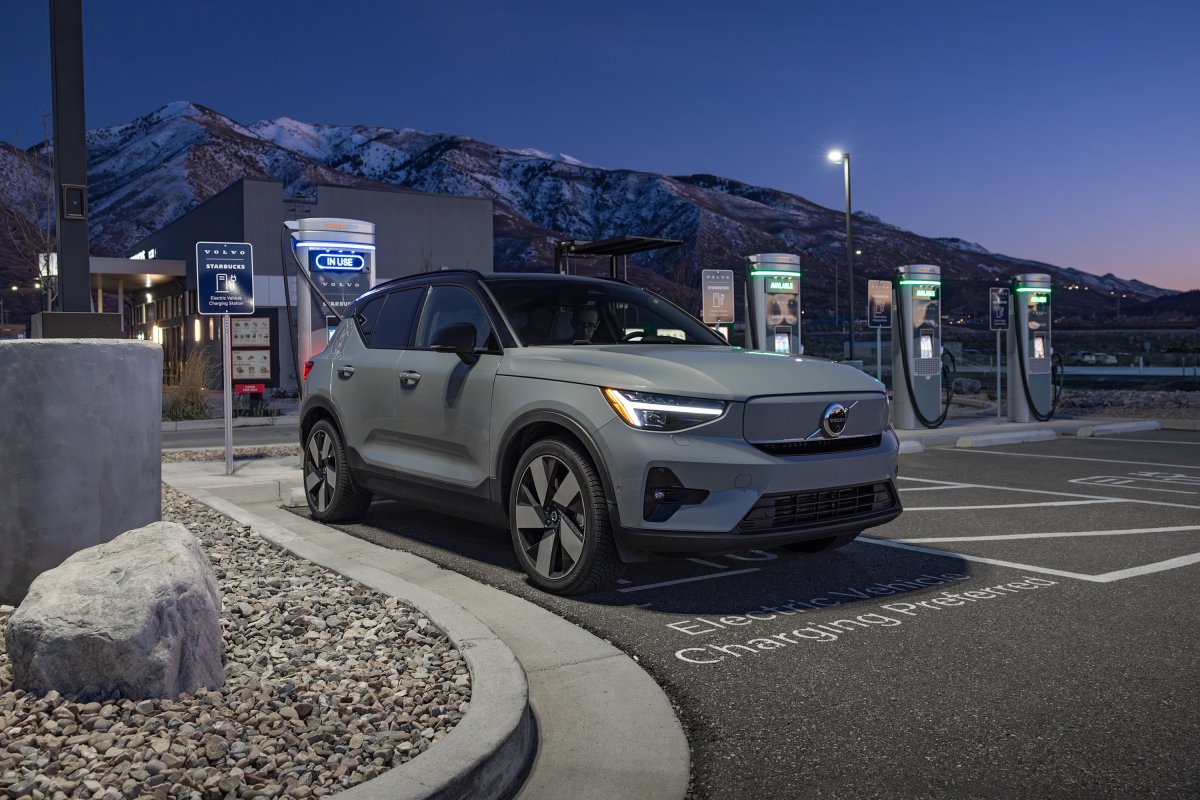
column 1026, row 289
column 913, row 282
column 773, row 273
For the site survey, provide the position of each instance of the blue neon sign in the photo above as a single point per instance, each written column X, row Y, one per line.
column 337, row 261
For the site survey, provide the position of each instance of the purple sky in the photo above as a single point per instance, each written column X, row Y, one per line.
column 1067, row 132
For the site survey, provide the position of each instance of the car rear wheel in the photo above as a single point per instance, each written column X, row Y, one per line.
column 558, row 517
column 328, row 485
column 821, row 545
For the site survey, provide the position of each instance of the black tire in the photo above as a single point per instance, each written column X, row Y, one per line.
column 558, row 518
column 821, row 545
column 328, row 485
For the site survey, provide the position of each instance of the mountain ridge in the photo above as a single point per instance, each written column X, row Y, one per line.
column 147, row 172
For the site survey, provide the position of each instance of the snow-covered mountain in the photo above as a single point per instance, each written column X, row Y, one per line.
column 148, row 172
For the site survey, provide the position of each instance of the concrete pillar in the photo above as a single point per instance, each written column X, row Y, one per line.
column 82, row 450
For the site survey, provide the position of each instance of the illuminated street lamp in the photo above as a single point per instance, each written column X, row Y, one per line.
column 838, row 156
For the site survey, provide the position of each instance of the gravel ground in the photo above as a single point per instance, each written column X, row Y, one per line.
column 1132, row 403
column 218, row 453
column 1123, row 403
column 327, row 684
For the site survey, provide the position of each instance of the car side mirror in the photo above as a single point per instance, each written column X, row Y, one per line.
column 458, row 338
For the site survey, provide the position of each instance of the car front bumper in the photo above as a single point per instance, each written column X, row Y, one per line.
column 754, row 499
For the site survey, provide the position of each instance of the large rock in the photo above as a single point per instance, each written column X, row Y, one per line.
column 137, row 615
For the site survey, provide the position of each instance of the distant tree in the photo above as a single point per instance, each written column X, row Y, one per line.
column 29, row 217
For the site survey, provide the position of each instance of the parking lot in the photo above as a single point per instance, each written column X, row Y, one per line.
column 1027, row 628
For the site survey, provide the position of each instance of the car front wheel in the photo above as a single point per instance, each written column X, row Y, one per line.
column 328, row 485
column 558, row 517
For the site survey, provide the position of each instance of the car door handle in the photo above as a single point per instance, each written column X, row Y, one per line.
column 345, row 371
column 409, row 377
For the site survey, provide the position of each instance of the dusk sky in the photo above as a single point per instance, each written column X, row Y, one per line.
column 1066, row 132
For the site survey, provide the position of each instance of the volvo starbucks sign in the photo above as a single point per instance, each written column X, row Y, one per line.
column 224, row 278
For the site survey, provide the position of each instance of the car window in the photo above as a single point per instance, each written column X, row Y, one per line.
column 368, row 315
column 557, row 312
column 448, row 305
column 392, row 326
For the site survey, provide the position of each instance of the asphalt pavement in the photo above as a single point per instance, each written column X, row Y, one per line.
column 1025, row 629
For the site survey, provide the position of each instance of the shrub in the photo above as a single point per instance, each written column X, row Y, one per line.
column 185, row 396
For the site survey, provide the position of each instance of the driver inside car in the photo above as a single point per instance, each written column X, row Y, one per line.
column 584, row 320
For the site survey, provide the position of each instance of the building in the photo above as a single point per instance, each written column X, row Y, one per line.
column 414, row 232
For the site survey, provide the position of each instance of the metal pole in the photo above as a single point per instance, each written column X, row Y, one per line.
column 879, row 354
column 998, row 417
column 227, row 357
column 70, row 154
column 849, row 254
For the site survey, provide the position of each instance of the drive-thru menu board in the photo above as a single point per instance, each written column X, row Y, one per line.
column 251, row 343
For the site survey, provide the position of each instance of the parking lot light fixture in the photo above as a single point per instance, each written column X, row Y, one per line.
column 836, row 156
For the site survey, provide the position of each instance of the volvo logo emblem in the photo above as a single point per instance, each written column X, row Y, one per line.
column 833, row 420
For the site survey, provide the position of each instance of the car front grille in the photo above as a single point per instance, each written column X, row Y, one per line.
column 779, row 512
column 809, row 447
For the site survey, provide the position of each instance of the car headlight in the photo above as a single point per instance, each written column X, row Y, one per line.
column 659, row 412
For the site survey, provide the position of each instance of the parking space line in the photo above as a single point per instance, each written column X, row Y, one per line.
column 1022, row 505
column 1068, row 458
column 933, row 488
column 1120, row 482
column 1044, row 491
column 1107, row 577
column 1160, row 566
column 689, row 580
column 995, row 561
column 1057, row 535
column 1123, row 439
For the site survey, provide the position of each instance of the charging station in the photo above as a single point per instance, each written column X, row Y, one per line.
column 336, row 258
column 917, row 384
column 773, row 303
column 1032, row 390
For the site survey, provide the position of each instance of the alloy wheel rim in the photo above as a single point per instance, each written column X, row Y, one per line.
column 320, row 471
column 550, row 517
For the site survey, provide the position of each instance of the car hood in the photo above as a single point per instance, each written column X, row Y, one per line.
column 693, row 370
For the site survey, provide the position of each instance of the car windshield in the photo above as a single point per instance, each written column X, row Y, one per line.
column 557, row 312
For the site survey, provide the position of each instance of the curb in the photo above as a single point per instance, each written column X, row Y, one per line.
column 238, row 422
column 487, row 754
column 1013, row 437
column 1180, row 424
column 911, row 446
column 1117, row 427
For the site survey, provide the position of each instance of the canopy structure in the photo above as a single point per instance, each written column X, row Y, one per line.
column 616, row 250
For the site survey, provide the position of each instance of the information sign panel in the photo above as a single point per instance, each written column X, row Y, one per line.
column 224, row 278
column 998, row 299
column 879, row 304
column 717, row 289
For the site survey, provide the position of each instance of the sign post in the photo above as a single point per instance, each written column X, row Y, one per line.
column 225, row 286
column 998, row 297
column 879, row 316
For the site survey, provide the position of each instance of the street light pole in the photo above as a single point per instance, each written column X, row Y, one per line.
column 837, row 155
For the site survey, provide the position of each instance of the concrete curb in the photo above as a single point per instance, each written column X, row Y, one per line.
column 238, row 422
column 911, row 446
column 1012, row 437
column 487, row 753
column 1110, row 428
column 1180, row 424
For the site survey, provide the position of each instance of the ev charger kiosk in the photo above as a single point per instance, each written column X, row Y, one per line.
column 338, row 258
column 1030, row 371
column 773, row 300
column 917, row 348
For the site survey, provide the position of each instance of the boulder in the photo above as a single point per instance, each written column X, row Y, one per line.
column 140, row 614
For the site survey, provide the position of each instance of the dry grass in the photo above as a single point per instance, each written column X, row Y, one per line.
column 184, row 398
